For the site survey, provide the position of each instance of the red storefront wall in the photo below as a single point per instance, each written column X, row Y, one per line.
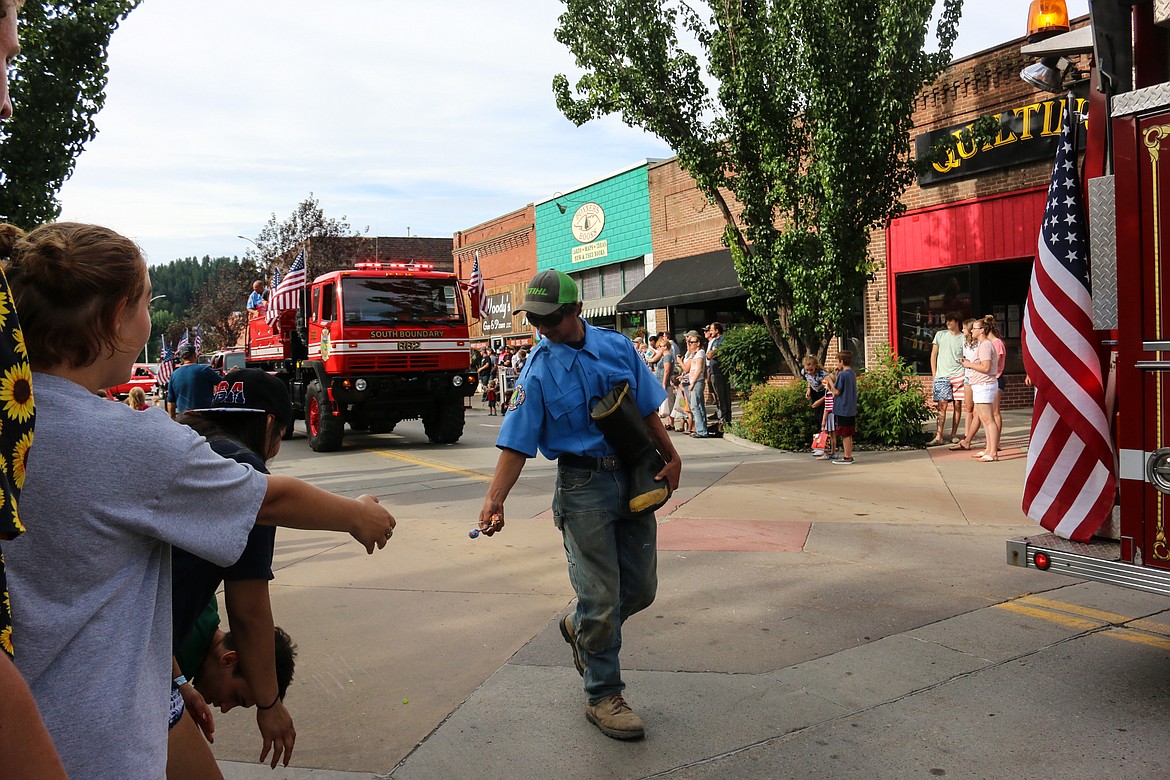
column 983, row 230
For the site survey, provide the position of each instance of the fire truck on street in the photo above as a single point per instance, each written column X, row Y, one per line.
column 1127, row 176
column 369, row 347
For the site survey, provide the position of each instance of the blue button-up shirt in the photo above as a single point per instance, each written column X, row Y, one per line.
column 549, row 409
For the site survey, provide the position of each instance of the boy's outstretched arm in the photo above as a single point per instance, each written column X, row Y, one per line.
column 294, row 503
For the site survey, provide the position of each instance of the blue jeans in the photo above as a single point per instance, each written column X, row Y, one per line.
column 613, row 567
column 698, row 411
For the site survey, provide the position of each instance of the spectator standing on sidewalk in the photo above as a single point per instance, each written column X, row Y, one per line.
column 244, row 422
column 26, row 750
column 984, row 388
column 845, row 405
column 611, row 551
column 191, row 385
column 695, row 378
column 719, row 384
column 92, row 573
column 946, row 355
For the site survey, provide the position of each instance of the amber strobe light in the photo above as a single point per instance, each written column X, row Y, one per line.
column 1046, row 18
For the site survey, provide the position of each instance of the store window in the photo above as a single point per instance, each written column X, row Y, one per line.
column 924, row 299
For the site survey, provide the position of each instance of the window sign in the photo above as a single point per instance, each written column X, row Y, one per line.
column 499, row 319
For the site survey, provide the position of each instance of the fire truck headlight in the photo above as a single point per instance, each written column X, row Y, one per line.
column 457, row 380
column 360, row 385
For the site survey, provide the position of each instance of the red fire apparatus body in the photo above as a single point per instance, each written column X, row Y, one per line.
column 1127, row 172
column 371, row 346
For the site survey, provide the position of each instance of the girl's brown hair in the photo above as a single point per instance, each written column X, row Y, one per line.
column 68, row 281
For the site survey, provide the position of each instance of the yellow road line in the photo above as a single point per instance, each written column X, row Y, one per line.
column 1140, row 637
column 1150, row 626
column 1138, row 631
column 432, row 465
column 1089, row 612
column 1053, row 617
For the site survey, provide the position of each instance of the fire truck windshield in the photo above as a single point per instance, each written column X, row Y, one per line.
column 397, row 300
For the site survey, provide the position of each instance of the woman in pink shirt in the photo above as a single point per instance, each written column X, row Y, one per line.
column 1001, row 353
column 985, row 386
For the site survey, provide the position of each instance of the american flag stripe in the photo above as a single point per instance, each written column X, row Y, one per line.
column 1064, row 473
column 479, row 303
column 1069, row 481
column 1078, row 387
column 166, row 362
column 288, row 294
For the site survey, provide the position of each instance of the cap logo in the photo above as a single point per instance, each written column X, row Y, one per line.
column 226, row 393
column 537, row 291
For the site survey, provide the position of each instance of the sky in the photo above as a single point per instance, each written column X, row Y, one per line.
column 405, row 118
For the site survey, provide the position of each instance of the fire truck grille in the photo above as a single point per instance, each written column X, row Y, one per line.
column 408, row 362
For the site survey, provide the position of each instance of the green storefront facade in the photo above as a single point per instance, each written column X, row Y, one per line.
column 599, row 235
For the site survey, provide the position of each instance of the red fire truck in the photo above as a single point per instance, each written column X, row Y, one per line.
column 371, row 346
column 1127, row 172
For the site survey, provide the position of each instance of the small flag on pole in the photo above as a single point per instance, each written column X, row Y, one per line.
column 1069, row 481
column 198, row 341
column 479, row 303
column 166, row 363
column 183, row 342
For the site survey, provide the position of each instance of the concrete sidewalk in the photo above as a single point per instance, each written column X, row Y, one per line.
column 768, row 604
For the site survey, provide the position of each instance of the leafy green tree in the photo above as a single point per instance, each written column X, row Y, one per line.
column 802, row 141
column 219, row 306
column 748, row 356
column 207, row 292
column 58, row 86
column 279, row 240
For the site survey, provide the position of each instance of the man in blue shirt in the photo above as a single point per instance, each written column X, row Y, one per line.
column 613, row 563
column 191, row 385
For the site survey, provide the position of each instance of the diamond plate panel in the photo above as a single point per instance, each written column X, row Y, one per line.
column 1142, row 100
column 1103, row 252
column 1162, row 12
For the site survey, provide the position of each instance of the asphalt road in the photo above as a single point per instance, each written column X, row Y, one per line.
column 812, row 621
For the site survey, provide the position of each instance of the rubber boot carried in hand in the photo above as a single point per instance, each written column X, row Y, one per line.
column 616, row 414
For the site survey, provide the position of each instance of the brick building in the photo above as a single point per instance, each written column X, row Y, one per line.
column 599, row 234
column 507, row 260
column 967, row 239
column 964, row 244
column 693, row 281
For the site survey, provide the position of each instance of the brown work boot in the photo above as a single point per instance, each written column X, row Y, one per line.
column 615, row 718
column 569, row 632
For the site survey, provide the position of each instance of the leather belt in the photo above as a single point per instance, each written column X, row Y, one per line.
column 604, row 463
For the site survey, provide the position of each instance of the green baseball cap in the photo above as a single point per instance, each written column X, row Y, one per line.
column 547, row 292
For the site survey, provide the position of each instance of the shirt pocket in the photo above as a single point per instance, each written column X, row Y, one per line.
column 571, row 401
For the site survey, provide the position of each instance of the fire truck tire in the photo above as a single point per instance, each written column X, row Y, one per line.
column 325, row 431
column 444, row 425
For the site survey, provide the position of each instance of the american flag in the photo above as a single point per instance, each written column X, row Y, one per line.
column 198, row 341
column 183, row 341
column 1069, row 482
column 287, row 293
column 270, row 313
column 479, row 302
column 166, row 363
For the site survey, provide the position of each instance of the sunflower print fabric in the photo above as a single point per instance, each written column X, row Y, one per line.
column 16, row 435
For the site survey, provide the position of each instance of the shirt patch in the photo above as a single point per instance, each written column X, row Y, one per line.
column 516, row 400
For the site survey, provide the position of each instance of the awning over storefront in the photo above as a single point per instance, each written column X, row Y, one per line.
column 600, row 307
column 696, row 279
